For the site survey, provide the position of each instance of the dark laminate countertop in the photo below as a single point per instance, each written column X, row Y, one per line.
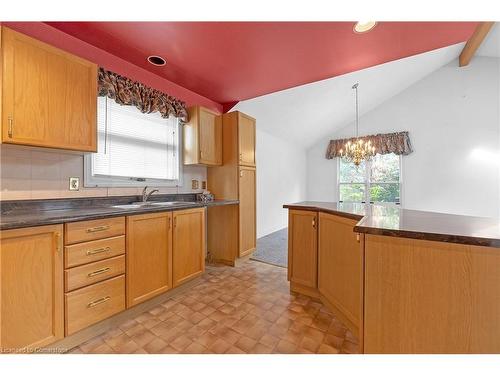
column 399, row 222
column 22, row 214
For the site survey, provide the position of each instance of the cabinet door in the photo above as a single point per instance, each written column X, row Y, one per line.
column 339, row 270
column 31, row 288
column 302, row 248
column 210, row 142
column 49, row 96
column 149, row 256
column 188, row 260
column 248, row 232
column 246, row 140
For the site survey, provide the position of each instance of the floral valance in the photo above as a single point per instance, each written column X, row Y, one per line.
column 146, row 99
column 398, row 143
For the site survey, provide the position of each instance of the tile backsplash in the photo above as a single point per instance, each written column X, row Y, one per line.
column 34, row 173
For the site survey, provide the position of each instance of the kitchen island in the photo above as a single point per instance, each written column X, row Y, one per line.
column 406, row 281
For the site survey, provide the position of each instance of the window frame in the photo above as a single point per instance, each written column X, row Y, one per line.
column 368, row 183
column 90, row 180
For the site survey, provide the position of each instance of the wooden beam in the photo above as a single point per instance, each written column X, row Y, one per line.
column 474, row 42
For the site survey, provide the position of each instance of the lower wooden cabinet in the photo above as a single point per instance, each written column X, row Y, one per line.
column 31, row 288
column 94, row 303
column 303, row 249
column 247, row 213
column 188, row 259
column 149, row 256
column 340, row 268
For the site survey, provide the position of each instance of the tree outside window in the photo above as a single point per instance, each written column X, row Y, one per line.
column 378, row 180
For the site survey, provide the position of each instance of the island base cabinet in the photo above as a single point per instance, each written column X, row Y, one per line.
column 340, row 272
column 303, row 251
column 31, row 287
column 430, row 297
column 149, row 256
column 188, row 259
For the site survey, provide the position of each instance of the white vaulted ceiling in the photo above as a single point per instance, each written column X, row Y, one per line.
column 491, row 44
column 306, row 114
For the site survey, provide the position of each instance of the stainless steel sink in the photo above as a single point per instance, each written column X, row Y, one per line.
column 136, row 205
column 129, row 206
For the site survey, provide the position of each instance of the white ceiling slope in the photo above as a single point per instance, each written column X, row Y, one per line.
column 306, row 114
column 491, row 44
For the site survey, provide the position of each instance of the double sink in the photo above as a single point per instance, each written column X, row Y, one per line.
column 136, row 205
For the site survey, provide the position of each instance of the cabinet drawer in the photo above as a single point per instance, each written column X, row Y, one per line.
column 87, row 252
column 88, row 274
column 93, row 229
column 94, row 303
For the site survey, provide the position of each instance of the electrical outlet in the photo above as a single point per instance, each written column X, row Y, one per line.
column 194, row 184
column 74, row 183
column 204, row 185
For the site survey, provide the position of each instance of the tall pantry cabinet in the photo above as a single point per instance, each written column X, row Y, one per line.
column 232, row 231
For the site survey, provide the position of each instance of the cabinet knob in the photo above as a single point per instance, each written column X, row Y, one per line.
column 314, row 222
column 241, row 173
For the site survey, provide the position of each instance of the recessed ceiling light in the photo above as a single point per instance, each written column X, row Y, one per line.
column 364, row 26
column 157, row 60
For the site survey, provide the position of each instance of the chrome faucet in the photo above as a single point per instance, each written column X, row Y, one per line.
column 146, row 195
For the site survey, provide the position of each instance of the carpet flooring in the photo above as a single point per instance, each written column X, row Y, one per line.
column 273, row 248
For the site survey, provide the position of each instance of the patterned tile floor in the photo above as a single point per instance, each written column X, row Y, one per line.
column 247, row 309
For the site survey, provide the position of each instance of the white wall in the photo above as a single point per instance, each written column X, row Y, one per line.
column 281, row 178
column 453, row 119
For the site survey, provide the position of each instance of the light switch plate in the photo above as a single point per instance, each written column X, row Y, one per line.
column 74, row 183
column 194, row 184
column 204, row 185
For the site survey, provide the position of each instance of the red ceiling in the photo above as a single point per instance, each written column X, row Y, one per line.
column 232, row 61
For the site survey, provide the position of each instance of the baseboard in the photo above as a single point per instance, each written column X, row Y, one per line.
column 305, row 290
column 239, row 261
column 353, row 327
column 315, row 294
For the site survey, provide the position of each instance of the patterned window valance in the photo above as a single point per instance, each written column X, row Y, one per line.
column 398, row 143
column 146, row 99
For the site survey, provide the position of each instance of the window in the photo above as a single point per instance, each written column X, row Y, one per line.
column 378, row 180
column 134, row 148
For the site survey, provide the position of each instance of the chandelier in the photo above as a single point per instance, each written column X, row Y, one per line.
column 357, row 150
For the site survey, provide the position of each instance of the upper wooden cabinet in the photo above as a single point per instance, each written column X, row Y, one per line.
column 188, row 259
column 302, row 249
column 202, row 137
column 49, row 97
column 31, row 287
column 149, row 256
column 239, row 139
column 246, row 139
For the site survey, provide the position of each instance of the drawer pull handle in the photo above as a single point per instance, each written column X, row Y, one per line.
column 98, row 301
column 98, row 229
column 11, row 122
column 58, row 242
column 98, row 251
column 98, row 272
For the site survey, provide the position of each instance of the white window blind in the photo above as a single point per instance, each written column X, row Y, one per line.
column 135, row 145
